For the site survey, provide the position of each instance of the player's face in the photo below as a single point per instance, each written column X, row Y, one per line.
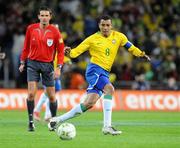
column 105, row 27
column 44, row 17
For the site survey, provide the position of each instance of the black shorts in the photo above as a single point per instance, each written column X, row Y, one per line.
column 36, row 69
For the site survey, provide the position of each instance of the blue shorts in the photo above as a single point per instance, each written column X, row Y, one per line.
column 97, row 78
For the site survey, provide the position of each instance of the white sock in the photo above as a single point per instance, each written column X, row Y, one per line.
column 41, row 101
column 75, row 111
column 47, row 110
column 107, row 110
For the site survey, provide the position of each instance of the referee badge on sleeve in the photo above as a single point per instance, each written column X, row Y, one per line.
column 49, row 42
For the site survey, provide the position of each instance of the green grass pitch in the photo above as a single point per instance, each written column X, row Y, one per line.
column 140, row 130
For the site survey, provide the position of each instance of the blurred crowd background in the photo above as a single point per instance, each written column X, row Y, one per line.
column 151, row 25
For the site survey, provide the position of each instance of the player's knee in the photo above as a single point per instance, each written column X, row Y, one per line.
column 109, row 89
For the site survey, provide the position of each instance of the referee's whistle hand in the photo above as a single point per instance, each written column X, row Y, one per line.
column 21, row 67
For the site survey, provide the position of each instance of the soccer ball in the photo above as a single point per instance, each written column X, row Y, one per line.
column 66, row 131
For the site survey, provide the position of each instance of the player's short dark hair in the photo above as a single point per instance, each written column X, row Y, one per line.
column 104, row 17
column 45, row 8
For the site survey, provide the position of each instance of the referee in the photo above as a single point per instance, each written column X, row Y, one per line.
column 42, row 41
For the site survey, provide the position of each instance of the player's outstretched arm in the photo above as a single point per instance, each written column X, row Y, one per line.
column 138, row 53
column 134, row 50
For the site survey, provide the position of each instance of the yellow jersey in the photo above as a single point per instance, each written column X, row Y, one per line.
column 102, row 49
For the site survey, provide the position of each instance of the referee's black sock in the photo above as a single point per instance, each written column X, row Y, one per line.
column 53, row 108
column 30, row 107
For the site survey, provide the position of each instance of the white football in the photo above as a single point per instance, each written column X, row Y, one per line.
column 66, row 131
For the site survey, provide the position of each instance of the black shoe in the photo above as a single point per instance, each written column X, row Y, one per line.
column 31, row 127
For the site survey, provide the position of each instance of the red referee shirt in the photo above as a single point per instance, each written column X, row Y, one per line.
column 42, row 44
